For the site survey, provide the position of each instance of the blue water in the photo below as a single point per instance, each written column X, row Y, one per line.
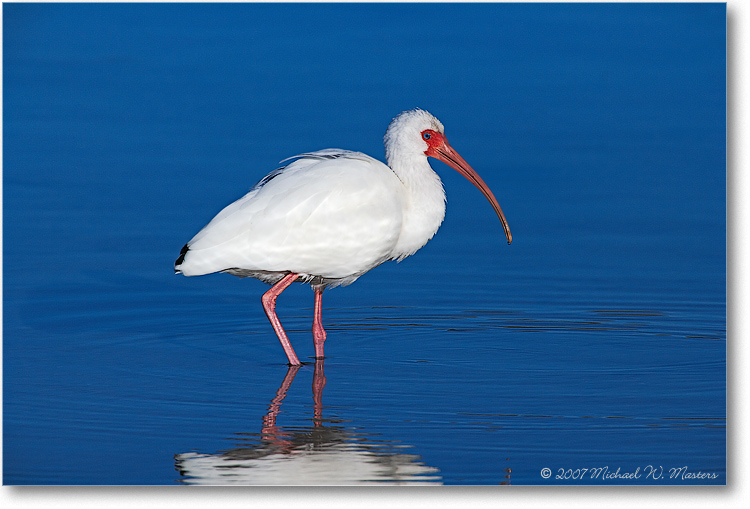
column 594, row 345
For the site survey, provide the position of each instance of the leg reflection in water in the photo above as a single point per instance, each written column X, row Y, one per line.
column 322, row 453
column 273, row 434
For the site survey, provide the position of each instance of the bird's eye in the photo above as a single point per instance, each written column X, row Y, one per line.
column 426, row 135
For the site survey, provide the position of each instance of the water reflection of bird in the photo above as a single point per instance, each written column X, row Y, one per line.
column 328, row 217
column 313, row 455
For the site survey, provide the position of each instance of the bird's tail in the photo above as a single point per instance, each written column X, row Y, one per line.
column 180, row 259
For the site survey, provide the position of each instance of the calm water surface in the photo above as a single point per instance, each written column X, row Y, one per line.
column 594, row 346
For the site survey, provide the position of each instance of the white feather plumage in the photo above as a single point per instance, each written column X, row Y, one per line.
column 330, row 215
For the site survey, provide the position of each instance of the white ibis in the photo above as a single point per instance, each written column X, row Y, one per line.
column 327, row 217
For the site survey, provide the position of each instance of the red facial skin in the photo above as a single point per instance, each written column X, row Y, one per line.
column 439, row 148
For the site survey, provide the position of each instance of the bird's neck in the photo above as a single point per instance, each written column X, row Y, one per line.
column 425, row 203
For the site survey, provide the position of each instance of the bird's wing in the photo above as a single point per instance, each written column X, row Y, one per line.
column 331, row 213
column 328, row 153
column 294, row 164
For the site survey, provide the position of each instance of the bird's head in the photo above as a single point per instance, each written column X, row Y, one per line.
column 416, row 134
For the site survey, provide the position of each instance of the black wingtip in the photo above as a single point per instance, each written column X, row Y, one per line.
column 181, row 258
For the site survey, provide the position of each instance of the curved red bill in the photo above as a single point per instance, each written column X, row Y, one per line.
column 444, row 152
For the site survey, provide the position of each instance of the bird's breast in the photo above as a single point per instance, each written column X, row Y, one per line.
column 424, row 212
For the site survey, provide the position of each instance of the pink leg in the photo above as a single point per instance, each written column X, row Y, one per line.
column 269, row 305
column 319, row 334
